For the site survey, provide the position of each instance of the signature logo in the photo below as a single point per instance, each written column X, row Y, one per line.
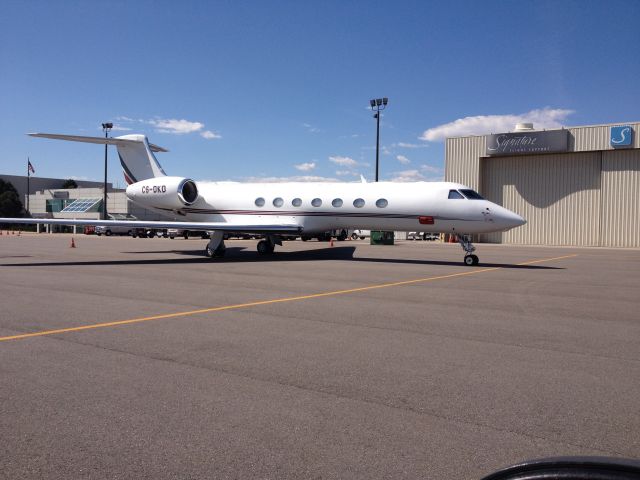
column 621, row 136
column 505, row 143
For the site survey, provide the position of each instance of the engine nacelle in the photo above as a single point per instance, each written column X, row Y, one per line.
column 164, row 192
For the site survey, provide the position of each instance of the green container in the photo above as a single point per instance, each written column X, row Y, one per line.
column 381, row 238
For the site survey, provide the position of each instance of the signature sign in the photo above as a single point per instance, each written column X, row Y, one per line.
column 527, row 142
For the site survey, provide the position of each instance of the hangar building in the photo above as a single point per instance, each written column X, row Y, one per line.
column 577, row 186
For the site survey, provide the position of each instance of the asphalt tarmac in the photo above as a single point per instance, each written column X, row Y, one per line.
column 351, row 361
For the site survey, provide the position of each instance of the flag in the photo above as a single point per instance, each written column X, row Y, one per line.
column 30, row 168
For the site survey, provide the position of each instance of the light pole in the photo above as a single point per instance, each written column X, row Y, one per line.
column 105, row 127
column 377, row 105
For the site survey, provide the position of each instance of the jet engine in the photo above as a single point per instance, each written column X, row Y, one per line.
column 164, row 192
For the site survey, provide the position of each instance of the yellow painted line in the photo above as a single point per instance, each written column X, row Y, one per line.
column 266, row 302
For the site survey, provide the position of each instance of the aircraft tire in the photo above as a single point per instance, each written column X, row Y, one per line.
column 471, row 260
column 217, row 253
column 263, row 248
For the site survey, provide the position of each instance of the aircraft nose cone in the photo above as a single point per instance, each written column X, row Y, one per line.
column 518, row 220
column 513, row 220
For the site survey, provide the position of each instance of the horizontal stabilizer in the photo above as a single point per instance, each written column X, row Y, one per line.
column 101, row 140
column 225, row 227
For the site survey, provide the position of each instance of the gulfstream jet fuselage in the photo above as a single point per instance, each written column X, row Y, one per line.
column 274, row 209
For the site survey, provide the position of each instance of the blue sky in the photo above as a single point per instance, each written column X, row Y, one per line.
column 244, row 90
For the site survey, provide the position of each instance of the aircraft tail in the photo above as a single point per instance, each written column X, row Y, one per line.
column 135, row 153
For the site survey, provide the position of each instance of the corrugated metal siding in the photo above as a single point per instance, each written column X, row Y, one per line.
column 558, row 194
column 621, row 198
column 585, row 139
column 463, row 160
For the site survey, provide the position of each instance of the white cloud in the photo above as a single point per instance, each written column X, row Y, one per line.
column 168, row 125
column 407, row 176
column 306, row 166
column 430, row 169
column 209, row 135
column 301, row 178
column 346, row 173
column 343, row 161
column 310, row 128
column 402, row 159
column 415, row 175
column 175, row 126
column 410, row 145
column 545, row 118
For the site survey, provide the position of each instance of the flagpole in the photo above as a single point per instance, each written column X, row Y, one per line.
column 28, row 183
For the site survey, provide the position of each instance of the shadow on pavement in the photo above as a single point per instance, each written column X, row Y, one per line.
column 244, row 255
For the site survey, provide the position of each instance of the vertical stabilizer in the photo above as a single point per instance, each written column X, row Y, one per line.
column 137, row 159
column 135, row 152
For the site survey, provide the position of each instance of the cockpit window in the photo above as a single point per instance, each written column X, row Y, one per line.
column 472, row 195
column 454, row 194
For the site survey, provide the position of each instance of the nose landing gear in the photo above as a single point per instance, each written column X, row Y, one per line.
column 469, row 258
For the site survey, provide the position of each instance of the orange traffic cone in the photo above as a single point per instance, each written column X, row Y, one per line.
column 73, row 244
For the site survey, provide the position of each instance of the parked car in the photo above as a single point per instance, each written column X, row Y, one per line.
column 177, row 232
column 422, row 236
column 112, row 230
column 361, row 234
column 145, row 232
column 321, row 237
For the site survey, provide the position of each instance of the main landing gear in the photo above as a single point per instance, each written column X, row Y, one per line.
column 268, row 245
column 469, row 258
column 215, row 248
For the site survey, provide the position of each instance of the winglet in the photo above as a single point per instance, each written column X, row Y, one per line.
column 362, row 179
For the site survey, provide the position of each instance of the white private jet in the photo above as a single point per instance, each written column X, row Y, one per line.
column 275, row 209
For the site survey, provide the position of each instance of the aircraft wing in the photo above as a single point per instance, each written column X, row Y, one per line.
column 225, row 227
